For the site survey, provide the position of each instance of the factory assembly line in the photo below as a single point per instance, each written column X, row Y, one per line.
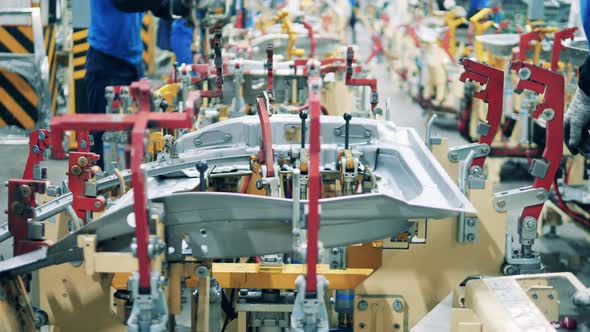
column 264, row 183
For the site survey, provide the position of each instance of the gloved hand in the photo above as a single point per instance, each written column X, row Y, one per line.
column 582, row 298
column 577, row 120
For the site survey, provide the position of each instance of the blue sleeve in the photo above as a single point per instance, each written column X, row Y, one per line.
column 585, row 12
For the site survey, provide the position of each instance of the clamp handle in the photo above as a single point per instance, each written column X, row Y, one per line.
column 347, row 117
column 303, row 116
column 202, row 167
column 558, row 37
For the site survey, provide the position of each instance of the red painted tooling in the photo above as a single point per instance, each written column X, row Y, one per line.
column 370, row 82
column 558, row 37
column 311, row 36
column 313, row 216
column 138, row 123
column 525, row 42
column 266, row 153
column 21, row 204
column 492, row 94
column 39, row 141
column 269, row 69
column 551, row 84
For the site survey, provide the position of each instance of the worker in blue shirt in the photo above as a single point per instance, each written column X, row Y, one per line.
column 115, row 53
column 577, row 117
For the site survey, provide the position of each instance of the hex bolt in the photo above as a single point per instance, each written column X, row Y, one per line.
column 501, row 203
column 335, row 251
column 530, row 223
column 25, row 191
column 347, row 117
column 227, row 137
column 453, row 155
column 471, row 222
column 470, row 237
column 485, row 149
column 541, row 195
column 197, row 141
column 83, row 161
column 97, row 204
column 337, row 131
column 548, row 114
column 83, row 144
column 368, row 133
column 362, row 305
column 201, row 167
column 535, row 296
column 36, row 149
column 398, row 305
column 303, row 117
column 524, row 73
column 41, row 136
column 202, row 271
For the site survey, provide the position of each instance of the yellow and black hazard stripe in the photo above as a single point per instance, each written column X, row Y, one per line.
column 18, row 99
column 148, row 38
column 80, row 51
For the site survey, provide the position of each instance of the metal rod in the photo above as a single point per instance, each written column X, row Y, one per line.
column 427, row 139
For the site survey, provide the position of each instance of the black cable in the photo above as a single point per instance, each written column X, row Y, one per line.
column 228, row 308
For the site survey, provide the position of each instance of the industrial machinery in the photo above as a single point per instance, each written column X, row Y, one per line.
column 266, row 189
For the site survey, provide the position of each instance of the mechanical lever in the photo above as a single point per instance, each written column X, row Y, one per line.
column 201, row 167
column 303, row 117
column 347, row 117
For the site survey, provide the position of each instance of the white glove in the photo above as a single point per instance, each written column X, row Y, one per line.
column 577, row 118
column 582, row 298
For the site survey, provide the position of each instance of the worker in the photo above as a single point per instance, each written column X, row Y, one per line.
column 577, row 117
column 115, row 53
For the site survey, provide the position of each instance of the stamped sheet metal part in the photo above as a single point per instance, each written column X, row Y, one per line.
column 238, row 225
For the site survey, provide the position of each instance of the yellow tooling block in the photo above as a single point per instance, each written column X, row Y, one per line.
column 250, row 275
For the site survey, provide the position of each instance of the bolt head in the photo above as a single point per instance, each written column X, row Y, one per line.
column 83, row 161
column 97, row 205
column 362, row 305
column 337, row 132
column 41, row 136
column 548, row 114
column 35, row 149
column 76, row 170
column 197, row 141
column 524, row 73
column 501, row 203
column 541, row 195
column 485, row 149
column 470, row 237
column 83, row 144
column 530, row 223
column 453, row 155
column 471, row 222
column 368, row 133
column 227, row 137
column 398, row 305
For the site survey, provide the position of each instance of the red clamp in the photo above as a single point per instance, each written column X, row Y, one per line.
column 138, row 123
column 558, row 37
column 21, row 204
column 311, row 36
column 492, row 94
column 551, row 84
column 376, row 48
column 313, row 216
column 371, row 82
column 266, row 153
column 525, row 42
column 39, row 141
column 80, row 171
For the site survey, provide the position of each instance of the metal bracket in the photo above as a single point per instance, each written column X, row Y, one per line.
column 517, row 198
column 459, row 153
column 429, row 139
column 337, row 258
column 515, row 260
column 310, row 314
column 214, row 137
column 355, row 130
column 467, row 230
column 149, row 312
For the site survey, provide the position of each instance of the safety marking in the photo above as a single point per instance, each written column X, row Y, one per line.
column 19, row 114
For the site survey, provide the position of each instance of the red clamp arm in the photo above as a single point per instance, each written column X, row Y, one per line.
column 138, row 123
column 21, row 204
column 313, row 216
column 376, row 48
column 371, row 82
column 558, row 37
column 551, row 84
column 266, row 153
column 492, row 94
column 39, row 140
column 525, row 42
column 311, row 36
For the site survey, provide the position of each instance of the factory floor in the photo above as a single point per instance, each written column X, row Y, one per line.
column 570, row 251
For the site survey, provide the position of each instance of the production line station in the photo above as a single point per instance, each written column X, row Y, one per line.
column 294, row 165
